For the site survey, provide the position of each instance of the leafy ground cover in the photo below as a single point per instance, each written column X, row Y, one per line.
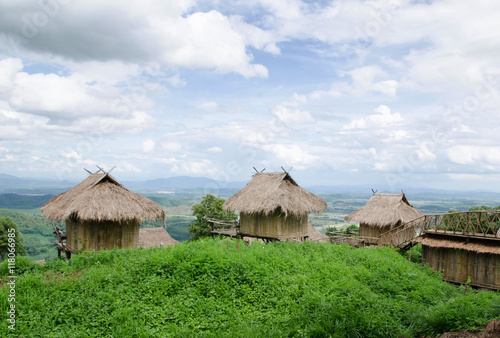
column 225, row 288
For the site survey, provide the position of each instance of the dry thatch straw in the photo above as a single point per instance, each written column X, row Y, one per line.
column 268, row 192
column 492, row 248
column 101, row 198
column 313, row 235
column 149, row 237
column 384, row 210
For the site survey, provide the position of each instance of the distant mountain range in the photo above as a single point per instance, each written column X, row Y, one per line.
column 203, row 185
column 182, row 183
column 20, row 185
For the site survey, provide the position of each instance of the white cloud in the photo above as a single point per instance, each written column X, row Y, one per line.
column 91, row 89
column 207, row 41
column 424, row 153
column 384, row 118
column 148, row 145
column 73, row 158
column 137, row 122
column 210, row 106
column 380, row 166
column 128, row 167
column 291, row 155
column 475, row 155
column 255, row 36
column 54, row 96
column 173, row 33
column 176, row 81
column 364, row 77
column 464, row 129
column 298, row 19
column 16, row 126
column 365, row 80
column 452, row 34
column 395, row 135
column 282, row 9
column 197, row 167
column 140, row 33
column 457, row 34
column 300, row 98
column 71, row 155
column 172, row 147
column 103, row 72
column 201, row 167
column 67, row 98
column 8, row 71
column 215, row 149
column 473, row 177
column 336, row 92
column 4, row 156
column 388, row 87
column 167, row 160
column 286, row 115
column 39, row 103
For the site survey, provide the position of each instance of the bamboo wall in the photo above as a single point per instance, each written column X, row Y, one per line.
column 92, row 235
column 373, row 235
column 458, row 265
column 372, row 232
column 273, row 226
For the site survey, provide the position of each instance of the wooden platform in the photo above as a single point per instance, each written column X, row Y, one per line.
column 224, row 232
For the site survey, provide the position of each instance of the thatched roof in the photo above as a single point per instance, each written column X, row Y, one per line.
column 314, row 235
column 384, row 210
column 492, row 248
column 268, row 192
column 149, row 237
column 101, row 198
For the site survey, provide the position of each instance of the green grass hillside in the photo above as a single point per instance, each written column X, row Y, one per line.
column 36, row 232
column 224, row 288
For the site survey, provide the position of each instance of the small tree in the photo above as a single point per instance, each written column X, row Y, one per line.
column 210, row 205
column 8, row 230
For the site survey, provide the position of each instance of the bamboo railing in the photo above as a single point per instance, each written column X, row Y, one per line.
column 353, row 240
column 217, row 222
column 479, row 223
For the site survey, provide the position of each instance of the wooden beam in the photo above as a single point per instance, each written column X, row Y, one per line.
column 100, row 169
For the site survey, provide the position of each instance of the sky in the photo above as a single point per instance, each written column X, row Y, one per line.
column 387, row 93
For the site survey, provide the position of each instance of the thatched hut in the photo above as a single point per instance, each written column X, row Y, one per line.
column 313, row 235
column 149, row 237
column 464, row 259
column 382, row 213
column 101, row 213
column 273, row 206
